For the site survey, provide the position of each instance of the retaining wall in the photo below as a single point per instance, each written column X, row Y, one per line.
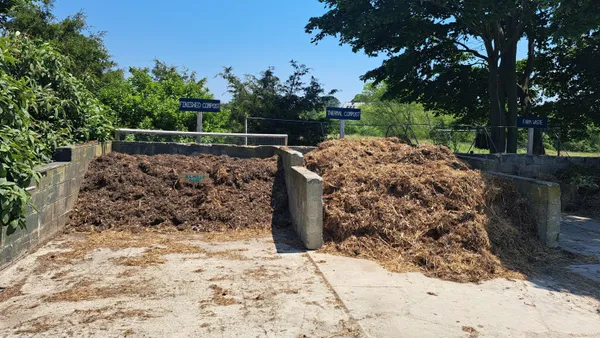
column 51, row 200
column 192, row 149
column 305, row 197
column 544, row 200
column 525, row 165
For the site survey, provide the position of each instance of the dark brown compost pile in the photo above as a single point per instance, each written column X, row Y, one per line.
column 421, row 209
column 124, row 192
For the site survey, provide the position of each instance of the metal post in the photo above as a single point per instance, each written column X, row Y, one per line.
column 530, row 142
column 199, row 127
column 285, row 141
column 117, row 135
column 246, row 130
column 342, row 128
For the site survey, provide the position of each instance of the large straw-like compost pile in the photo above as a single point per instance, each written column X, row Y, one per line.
column 124, row 192
column 421, row 209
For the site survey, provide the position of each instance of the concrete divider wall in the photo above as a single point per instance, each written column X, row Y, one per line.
column 525, row 165
column 192, row 149
column 51, row 200
column 544, row 200
column 305, row 197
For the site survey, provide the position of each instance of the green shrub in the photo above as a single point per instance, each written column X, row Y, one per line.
column 42, row 107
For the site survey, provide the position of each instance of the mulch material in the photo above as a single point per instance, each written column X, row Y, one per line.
column 135, row 193
column 422, row 209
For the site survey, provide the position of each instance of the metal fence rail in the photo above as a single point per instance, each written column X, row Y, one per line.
column 198, row 135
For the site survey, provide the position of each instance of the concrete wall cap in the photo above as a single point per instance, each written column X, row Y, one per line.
column 532, row 180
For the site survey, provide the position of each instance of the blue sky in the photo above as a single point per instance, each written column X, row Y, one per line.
column 205, row 35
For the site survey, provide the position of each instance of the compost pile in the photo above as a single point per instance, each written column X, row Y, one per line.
column 421, row 209
column 124, row 192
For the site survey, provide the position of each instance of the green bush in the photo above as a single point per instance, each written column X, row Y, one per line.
column 42, row 107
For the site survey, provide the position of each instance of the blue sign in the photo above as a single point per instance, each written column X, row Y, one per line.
column 200, row 105
column 532, row 122
column 343, row 113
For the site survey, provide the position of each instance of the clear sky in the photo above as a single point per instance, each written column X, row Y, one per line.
column 205, row 35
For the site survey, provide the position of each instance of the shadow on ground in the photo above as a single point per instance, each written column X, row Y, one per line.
column 579, row 273
column 284, row 237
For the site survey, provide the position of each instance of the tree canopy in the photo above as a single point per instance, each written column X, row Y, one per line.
column 42, row 106
column 70, row 36
column 440, row 52
column 300, row 96
column 149, row 98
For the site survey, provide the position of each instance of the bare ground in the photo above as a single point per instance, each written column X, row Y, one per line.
column 184, row 284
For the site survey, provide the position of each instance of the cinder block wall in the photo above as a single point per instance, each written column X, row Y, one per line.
column 51, row 200
column 525, row 165
column 191, row 149
column 305, row 197
column 544, row 200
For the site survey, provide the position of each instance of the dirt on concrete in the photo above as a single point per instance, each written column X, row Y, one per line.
column 422, row 209
column 125, row 192
column 78, row 286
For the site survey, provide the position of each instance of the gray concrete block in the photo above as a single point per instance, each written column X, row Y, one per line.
column 155, row 148
column 71, row 200
column 544, row 200
column 49, row 195
column 47, row 214
column 52, row 200
column 60, row 207
column 61, row 190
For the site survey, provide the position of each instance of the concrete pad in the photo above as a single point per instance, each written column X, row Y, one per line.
column 244, row 288
column 412, row 305
column 590, row 271
column 580, row 235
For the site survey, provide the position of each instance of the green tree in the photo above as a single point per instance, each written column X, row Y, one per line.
column 436, row 47
column 70, row 36
column 149, row 98
column 300, row 97
column 62, row 110
column 567, row 78
column 409, row 119
column 42, row 106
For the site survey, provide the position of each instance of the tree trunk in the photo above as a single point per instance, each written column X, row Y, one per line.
column 526, row 100
column 509, row 60
column 497, row 116
column 538, row 142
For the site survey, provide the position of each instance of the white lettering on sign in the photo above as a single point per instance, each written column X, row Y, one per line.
column 200, row 105
column 534, row 122
column 192, row 178
column 351, row 114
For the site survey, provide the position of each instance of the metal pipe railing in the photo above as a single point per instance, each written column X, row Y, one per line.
column 120, row 131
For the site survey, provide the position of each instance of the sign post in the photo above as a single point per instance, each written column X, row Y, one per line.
column 200, row 106
column 343, row 114
column 531, row 123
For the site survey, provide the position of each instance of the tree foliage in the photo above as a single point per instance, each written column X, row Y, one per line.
column 300, row 96
column 568, row 76
column 457, row 56
column 149, row 98
column 42, row 106
column 70, row 36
